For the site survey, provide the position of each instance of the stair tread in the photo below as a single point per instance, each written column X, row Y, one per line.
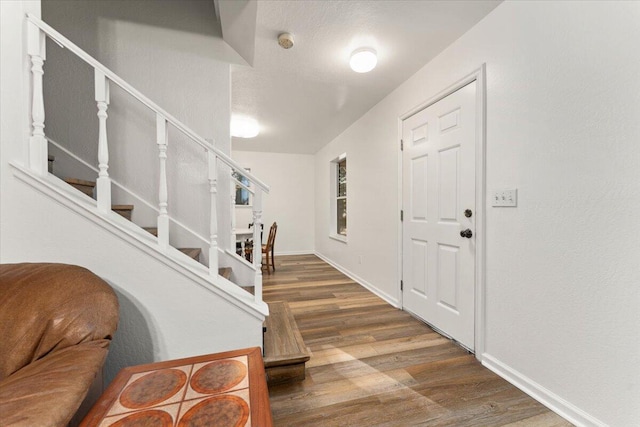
column 51, row 158
column 122, row 207
column 77, row 181
column 225, row 272
column 283, row 343
column 152, row 230
column 191, row 252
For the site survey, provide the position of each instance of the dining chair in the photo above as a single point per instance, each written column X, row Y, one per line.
column 268, row 248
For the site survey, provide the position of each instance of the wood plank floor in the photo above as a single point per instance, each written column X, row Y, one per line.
column 374, row 365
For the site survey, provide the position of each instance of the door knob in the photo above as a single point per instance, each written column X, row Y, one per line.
column 466, row 233
column 468, row 213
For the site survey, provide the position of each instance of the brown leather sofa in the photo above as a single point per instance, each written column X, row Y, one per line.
column 56, row 323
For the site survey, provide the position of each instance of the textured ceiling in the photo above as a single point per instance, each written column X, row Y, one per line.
column 306, row 96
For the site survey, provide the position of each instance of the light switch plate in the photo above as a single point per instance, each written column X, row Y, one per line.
column 505, row 198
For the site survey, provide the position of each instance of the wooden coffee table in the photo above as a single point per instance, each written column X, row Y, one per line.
column 216, row 390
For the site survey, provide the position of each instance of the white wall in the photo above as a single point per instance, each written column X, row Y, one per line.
column 290, row 202
column 164, row 314
column 34, row 228
column 15, row 125
column 562, row 277
column 171, row 53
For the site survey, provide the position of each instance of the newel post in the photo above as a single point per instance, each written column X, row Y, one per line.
column 233, row 240
column 103, row 182
column 163, row 216
column 213, row 225
column 257, row 242
column 36, row 47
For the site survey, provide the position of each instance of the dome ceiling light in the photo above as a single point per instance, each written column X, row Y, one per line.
column 363, row 60
column 285, row 40
column 244, row 127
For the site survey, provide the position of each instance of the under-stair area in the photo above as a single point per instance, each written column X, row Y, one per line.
column 284, row 352
column 236, row 281
column 126, row 211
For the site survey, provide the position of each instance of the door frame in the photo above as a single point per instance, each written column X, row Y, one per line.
column 479, row 76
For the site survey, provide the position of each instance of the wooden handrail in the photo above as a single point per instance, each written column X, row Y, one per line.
column 64, row 42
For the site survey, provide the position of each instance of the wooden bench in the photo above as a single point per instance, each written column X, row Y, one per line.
column 285, row 352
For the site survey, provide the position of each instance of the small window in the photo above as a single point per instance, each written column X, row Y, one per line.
column 341, row 199
column 243, row 197
column 338, row 200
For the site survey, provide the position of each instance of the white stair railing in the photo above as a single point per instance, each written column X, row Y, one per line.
column 103, row 181
column 37, row 142
column 38, row 30
column 257, row 242
column 213, row 225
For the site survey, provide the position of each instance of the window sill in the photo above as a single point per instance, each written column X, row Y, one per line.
column 338, row 237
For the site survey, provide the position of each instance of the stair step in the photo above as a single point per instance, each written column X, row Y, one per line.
column 87, row 188
column 225, row 272
column 123, row 210
column 191, row 252
column 285, row 352
column 50, row 159
column 80, row 184
column 152, row 230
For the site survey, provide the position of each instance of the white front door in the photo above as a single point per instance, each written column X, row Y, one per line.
column 438, row 245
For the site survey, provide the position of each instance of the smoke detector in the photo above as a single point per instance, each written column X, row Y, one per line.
column 285, row 40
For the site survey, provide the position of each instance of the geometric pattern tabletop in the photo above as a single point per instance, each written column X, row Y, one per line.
column 217, row 390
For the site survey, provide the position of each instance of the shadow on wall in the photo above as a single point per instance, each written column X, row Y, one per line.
column 193, row 16
column 133, row 341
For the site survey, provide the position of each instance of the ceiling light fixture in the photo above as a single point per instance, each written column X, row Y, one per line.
column 363, row 60
column 244, row 127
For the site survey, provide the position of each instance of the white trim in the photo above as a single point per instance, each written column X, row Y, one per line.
column 479, row 76
column 238, row 258
column 399, row 218
column 481, row 209
column 549, row 399
column 339, row 237
column 333, row 202
column 359, row 280
column 125, row 230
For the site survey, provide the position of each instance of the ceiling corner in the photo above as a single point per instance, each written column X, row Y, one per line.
column 238, row 20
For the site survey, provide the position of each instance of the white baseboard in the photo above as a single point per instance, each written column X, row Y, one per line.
column 549, row 399
column 388, row 298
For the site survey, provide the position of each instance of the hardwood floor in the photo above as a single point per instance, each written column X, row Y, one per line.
column 374, row 365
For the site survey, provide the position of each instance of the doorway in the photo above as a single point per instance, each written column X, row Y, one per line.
column 443, row 206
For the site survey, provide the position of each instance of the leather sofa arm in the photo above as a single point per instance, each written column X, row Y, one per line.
column 47, row 393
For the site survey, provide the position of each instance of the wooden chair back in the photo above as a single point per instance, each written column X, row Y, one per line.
column 272, row 236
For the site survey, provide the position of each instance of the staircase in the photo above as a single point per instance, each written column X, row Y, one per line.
column 125, row 211
column 40, row 162
column 284, row 351
column 202, row 281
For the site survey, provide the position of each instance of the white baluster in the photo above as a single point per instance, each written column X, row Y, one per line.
column 103, row 182
column 163, row 216
column 233, row 216
column 257, row 242
column 213, row 189
column 36, row 47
